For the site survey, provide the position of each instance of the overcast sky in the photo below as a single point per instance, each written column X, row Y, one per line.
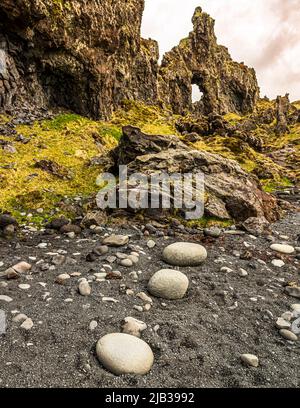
column 265, row 34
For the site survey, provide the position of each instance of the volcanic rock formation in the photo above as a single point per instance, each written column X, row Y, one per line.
column 88, row 56
column 230, row 192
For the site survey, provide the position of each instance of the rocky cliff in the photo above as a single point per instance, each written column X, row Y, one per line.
column 88, row 56
column 227, row 86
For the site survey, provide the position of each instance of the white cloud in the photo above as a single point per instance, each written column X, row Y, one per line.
column 264, row 34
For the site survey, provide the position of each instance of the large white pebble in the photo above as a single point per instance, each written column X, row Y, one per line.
column 184, row 254
column 122, row 353
column 283, row 248
column 168, row 284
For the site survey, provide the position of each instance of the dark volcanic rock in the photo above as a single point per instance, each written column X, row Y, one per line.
column 88, row 56
column 227, row 86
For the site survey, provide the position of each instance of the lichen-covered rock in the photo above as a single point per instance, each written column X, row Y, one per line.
column 227, row 86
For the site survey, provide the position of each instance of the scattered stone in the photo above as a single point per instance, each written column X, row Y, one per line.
column 168, row 284
column 58, row 223
column 278, row 262
column 24, row 286
column 133, row 258
column 226, row 269
column 283, row 248
column 6, row 220
column 84, row 288
column 138, row 308
column 282, row 323
column 213, row 232
column 134, row 276
column 58, row 259
column 27, row 324
column 42, row 245
column 122, row 353
column 103, row 249
column 288, row 335
column 250, row 360
column 10, row 274
column 296, row 307
column 114, row 275
column 184, row 254
column 287, row 316
column 293, row 291
column 243, row 272
column 21, row 317
column 22, row 267
column 68, row 228
column 111, row 259
column 5, row 298
column 116, row 240
column 144, row 297
column 120, row 255
column 109, row 299
column 62, row 278
column 133, row 326
column 93, row 325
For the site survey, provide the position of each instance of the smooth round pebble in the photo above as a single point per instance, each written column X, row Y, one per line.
column 168, row 284
column 184, row 254
column 283, row 248
column 122, row 353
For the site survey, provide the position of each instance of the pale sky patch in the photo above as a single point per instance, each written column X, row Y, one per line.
column 265, row 34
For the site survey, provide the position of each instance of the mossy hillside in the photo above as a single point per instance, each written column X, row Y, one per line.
column 67, row 140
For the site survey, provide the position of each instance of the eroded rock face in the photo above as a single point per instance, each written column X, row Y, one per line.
column 227, row 86
column 230, row 192
column 88, row 56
